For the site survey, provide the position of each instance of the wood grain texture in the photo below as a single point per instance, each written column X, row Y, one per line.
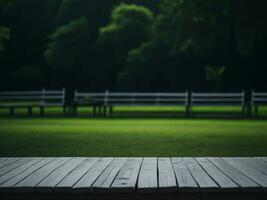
column 65, row 186
column 143, row 177
column 127, row 177
column 257, row 164
column 103, row 183
column 186, row 182
column 13, row 165
column 148, row 176
column 7, row 161
column 245, row 183
column 20, row 169
column 167, row 179
column 204, row 181
column 249, row 171
column 225, row 183
column 85, row 183
column 8, row 185
column 30, row 182
column 49, row 183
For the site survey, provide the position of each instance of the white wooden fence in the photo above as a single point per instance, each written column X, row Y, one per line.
column 30, row 99
column 258, row 99
column 107, row 100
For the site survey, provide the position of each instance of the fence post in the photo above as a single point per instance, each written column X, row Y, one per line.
column 64, row 101
column 133, row 99
column 250, row 102
column 11, row 111
column 157, row 99
column 187, row 104
column 30, row 111
column 75, row 103
column 243, row 104
column 254, row 106
column 42, row 102
column 105, row 103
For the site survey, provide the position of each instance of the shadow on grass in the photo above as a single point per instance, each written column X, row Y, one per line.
column 144, row 115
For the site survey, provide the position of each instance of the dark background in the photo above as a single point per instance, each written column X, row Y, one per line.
column 134, row 45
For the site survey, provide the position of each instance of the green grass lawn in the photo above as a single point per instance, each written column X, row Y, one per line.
column 132, row 137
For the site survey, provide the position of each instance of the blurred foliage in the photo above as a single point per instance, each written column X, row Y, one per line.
column 214, row 75
column 4, row 35
column 67, row 52
column 148, row 45
column 27, row 76
column 130, row 26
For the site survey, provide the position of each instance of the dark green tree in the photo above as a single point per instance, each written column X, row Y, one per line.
column 190, row 35
column 130, row 26
column 68, row 53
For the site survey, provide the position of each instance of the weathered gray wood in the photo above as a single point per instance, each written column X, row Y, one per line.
column 13, row 165
column 103, row 183
column 225, row 183
column 72, row 178
column 205, row 183
column 52, row 175
column 3, row 159
column 48, row 184
column 8, row 185
column 28, row 184
column 126, row 179
column 8, row 161
column 185, row 181
column 256, row 164
column 148, row 178
column 238, row 177
column 263, row 158
column 18, row 170
column 167, row 180
column 85, row 183
column 249, row 171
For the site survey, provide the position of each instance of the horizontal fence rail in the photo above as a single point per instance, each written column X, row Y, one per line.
column 131, row 98
column 258, row 99
column 29, row 99
column 104, row 100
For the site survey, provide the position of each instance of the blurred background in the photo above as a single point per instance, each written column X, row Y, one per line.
column 133, row 45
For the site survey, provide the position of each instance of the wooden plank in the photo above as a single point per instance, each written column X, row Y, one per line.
column 263, row 158
column 225, row 183
column 126, row 179
column 257, row 164
column 3, row 159
column 205, row 183
column 84, row 184
column 167, row 180
column 148, row 176
column 49, row 183
column 72, row 178
column 8, row 161
column 249, row 171
column 185, row 181
column 103, row 183
column 18, row 170
column 13, row 165
column 8, row 185
column 242, row 180
column 28, row 184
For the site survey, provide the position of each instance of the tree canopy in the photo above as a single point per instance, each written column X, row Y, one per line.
column 148, row 45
